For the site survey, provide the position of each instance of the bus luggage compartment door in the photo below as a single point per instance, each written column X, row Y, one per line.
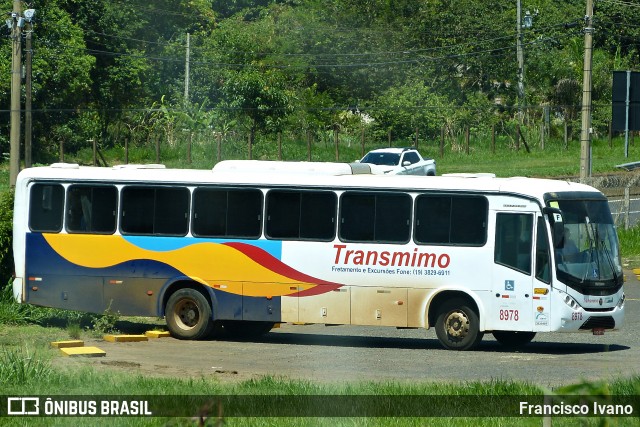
column 261, row 301
column 379, row 306
column 329, row 306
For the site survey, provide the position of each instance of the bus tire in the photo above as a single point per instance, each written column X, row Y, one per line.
column 458, row 326
column 188, row 315
column 513, row 338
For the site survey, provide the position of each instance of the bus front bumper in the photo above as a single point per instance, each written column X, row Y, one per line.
column 572, row 317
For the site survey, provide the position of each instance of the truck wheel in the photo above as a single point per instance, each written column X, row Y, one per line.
column 188, row 315
column 458, row 326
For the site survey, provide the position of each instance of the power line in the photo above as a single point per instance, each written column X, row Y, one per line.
column 474, row 41
column 622, row 3
column 416, row 60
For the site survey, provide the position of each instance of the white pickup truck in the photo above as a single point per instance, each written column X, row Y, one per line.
column 400, row 161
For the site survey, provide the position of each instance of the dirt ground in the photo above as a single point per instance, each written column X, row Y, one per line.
column 352, row 353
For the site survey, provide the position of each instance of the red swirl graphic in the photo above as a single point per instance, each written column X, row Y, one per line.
column 267, row 260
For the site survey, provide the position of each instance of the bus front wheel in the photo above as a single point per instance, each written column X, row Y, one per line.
column 458, row 326
column 188, row 315
column 513, row 338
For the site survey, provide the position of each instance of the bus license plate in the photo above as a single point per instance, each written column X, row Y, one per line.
column 598, row 331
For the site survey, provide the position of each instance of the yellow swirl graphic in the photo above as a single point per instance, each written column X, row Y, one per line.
column 214, row 264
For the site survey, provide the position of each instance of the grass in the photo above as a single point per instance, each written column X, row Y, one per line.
column 553, row 161
column 629, row 241
column 20, row 366
column 31, row 374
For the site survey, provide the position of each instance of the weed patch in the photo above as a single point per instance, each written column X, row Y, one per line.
column 21, row 367
column 105, row 323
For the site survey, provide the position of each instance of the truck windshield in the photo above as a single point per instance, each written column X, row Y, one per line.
column 383, row 159
column 588, row 255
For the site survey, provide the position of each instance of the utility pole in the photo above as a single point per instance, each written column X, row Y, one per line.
column 186, row 71
column 585, row 133
column 27, row 101
column 16, row 65
column 520, row 56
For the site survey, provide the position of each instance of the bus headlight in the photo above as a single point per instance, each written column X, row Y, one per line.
column 621, row 302
column 571, row 302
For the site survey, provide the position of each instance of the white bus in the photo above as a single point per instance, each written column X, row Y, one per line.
column 242, row 250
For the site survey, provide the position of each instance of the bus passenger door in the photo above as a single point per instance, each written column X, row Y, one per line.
column 512, row 273
column 541, row 278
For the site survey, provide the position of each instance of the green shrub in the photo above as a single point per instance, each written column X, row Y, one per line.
column 105, row 323
column 12, row 313
column 629, row 242
column 6, row 236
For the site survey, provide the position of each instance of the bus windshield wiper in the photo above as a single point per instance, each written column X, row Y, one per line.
column 591, row 238
column 607, row 253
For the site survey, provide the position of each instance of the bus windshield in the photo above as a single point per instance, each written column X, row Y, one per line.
column 588, row 254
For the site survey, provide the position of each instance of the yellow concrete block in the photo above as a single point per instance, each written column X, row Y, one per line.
column 157, row 334
column 636, row 271
column 65, row 344
column 83, row 351
column 125, row 338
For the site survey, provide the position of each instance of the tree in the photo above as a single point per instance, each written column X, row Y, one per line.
column 60, row 77
column 259, row 97
column 129, row 41
column 403, row 108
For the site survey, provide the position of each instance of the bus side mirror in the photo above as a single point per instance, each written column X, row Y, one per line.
column 557, row 226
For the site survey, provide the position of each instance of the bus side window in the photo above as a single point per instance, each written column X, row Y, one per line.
column 46, row 207
column 514, row 241
column 283, row 214
column 318, row 215
column 375, row 217
column 91, row 209
column 104, row 203
column 220, row 212
column 301, row 215
column 542, row 253
column 155, row 210
column 451, row 220
column 357, row 214
column 171, row 216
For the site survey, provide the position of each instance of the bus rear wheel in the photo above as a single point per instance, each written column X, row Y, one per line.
column 458, row 326
column 188, row 315
column 513, row 338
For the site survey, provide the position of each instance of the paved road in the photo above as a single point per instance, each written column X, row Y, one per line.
column 345, row 353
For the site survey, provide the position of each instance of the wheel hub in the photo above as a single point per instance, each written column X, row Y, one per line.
column 188, row 314
column 457, row 324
